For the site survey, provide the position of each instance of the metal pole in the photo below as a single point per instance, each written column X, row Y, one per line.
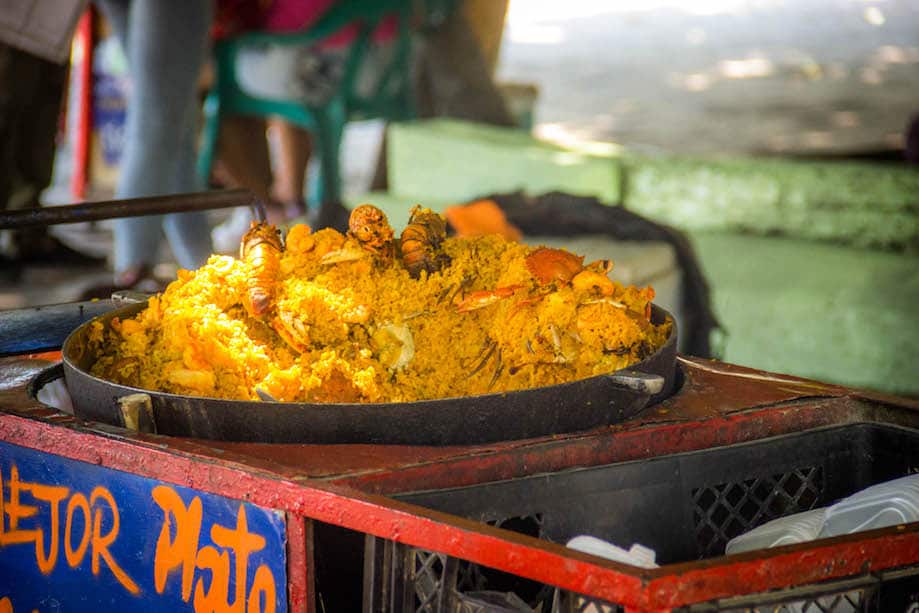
column 134, row 207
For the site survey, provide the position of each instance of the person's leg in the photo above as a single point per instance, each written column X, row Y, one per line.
column 243, row 156
column 188, row 233
column 294, row 148
column 136, row 237
column 31, row 90
column 243, row 151
column 18, row 83
column 36, row 149
column 166, row 46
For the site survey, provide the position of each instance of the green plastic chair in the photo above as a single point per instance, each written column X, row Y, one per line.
column 392, row 97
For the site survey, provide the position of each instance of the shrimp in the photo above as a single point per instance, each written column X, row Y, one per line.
column 421, row 242
column 261, row 250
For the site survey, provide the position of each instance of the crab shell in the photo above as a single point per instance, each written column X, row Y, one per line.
column 554, row 265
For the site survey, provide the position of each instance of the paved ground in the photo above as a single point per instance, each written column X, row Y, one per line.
column 720, row 75
column 698, row 76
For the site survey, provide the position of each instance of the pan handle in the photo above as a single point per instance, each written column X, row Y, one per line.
column 137, row 413
column 637, row 381
column 127, row 296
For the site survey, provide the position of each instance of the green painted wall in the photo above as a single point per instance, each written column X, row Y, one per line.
column 459, row 161
column 828, row 312
column 856, row 203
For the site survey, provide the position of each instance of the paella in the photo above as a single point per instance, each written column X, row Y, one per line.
column 369, row 316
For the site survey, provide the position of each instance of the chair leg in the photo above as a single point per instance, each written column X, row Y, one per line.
column 208, row 148
column 330, row 123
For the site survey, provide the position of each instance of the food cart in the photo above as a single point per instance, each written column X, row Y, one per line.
column 112, row 515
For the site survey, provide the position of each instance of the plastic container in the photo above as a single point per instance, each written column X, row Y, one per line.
column 637, row 555
column 491, row 602
column 886, row 504
column 797, row 528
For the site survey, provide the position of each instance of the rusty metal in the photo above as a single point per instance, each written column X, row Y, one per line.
column 717, row 405
column 300, row 567
column 669, row 586
column 805, row 563
column 133, row 207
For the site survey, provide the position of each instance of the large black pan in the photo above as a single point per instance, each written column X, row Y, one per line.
column 557, row 409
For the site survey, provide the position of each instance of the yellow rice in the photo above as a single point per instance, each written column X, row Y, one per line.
column 372, row 333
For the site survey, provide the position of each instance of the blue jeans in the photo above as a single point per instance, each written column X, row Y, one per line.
column 165, row 42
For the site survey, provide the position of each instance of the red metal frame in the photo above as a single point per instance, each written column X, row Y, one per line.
column 295, row 479
column 299, row 591
column 83, row 40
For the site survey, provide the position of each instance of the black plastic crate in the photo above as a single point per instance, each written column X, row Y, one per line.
column 687, row 506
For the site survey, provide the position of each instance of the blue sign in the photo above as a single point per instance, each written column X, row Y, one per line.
column 80, row 537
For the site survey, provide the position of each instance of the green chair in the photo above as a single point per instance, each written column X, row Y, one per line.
column 392, row 97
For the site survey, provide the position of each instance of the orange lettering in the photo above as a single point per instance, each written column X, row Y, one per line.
column 177, row 547
column 6, row 606
column 53, row 495
column 180, row 551
column 18, row 511
column 214, row 597
column 75, row 556
column 15, row 510
column 101, row 543
column 262, row 587
column 243, row 543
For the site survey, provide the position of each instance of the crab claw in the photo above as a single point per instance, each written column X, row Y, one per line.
column 481, row 299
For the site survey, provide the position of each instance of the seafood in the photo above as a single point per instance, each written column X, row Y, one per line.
column 549, row 265
column 421, row 242
column 261, row 250
column 369, row 226
column 551, row 270
column 483, row 298
column 592, row 281
column 292, row 331
column 489, row 349
column 348, row 253
column 369, row 234
column 298, row 321
column 395, row 345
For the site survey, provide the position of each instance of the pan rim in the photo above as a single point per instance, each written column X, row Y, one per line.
column 69, row 363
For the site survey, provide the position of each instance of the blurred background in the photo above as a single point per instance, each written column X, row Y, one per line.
column 719, row 76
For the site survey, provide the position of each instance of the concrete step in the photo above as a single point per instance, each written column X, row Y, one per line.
column 857, row 203
column 459, row 161
column 834, row 313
